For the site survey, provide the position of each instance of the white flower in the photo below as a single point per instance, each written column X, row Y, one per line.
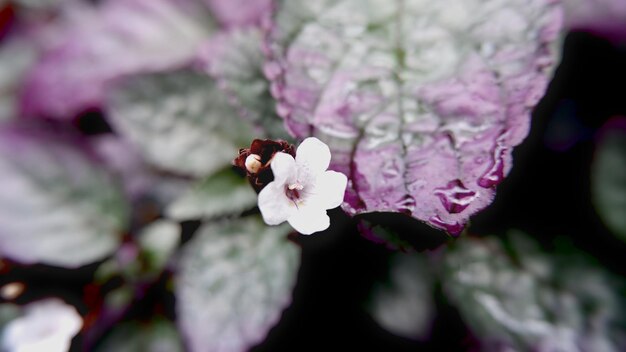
column 48, row 325
column 302, row 189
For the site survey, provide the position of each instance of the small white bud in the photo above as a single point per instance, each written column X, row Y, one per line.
column 253, row 163
column 12, row 290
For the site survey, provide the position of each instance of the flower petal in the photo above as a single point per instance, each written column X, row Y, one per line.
column 284, row 168
column 313, row 155
column 275, row 207
column 308, row 220
column 329, row 190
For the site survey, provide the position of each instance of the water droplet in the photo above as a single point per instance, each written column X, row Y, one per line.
column 454, row 228
column 495, row 173
column 391, row 169
column 338, row 130
column 455, row 197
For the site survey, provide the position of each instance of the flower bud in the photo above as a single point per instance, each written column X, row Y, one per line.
column 253, row 163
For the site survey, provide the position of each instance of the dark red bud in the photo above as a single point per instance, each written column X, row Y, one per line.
column 264, row 150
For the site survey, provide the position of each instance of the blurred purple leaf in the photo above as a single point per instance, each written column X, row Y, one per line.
column 56, row 205
column 421, row 102
column 234, row 280
column 518, row 297
column 606, row 18
column 115, row 38
column 235, row 13
column 179, row 121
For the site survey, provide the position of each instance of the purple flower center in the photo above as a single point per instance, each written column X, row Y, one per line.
column 293, row 191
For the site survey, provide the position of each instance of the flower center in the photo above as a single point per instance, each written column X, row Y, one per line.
column 293, row 191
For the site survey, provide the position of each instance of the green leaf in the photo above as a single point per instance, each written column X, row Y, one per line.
column 523, row 298
column 8, row 312
column 158, row 241
column 158, row 336
column 234, row 280
column 39, row 5
column 56, row 206
column 608, row 181
column 180, row 121
column 223, row 193
column 16, row 55
column 405, row 306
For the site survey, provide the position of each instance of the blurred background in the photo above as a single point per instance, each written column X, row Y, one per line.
column 119, row 122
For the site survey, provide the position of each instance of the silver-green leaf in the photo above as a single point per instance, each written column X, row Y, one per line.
column 180, row 121
column 234, row 280
column 158, row 336
column 158, row 241
column 223, row 193
column 56, row 206
column 608, row 177
column 406, row 306
column 520, row 297
column 16, row 54
column 236, row 60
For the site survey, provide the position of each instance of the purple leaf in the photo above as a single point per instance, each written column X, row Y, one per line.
column 606, row 18
column 235, row 13
column 101, row 43
column 421, row 102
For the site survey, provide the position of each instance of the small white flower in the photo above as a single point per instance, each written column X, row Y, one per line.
column 302, row 189
column 48, row 325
